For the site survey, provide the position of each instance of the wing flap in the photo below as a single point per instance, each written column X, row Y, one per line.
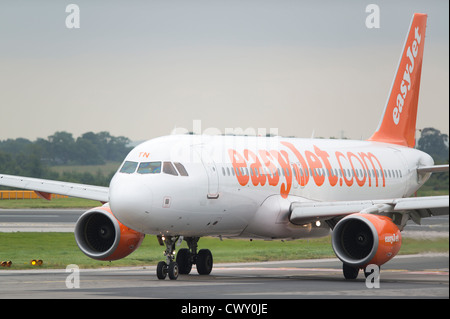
column 56, row 187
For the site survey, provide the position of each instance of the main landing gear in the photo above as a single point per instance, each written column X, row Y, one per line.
column 186, row 257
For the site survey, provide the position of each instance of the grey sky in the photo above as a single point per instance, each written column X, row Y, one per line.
column 142, row 68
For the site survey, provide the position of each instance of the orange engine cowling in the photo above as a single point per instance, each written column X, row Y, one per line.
column 101, row 236
column 362, row 239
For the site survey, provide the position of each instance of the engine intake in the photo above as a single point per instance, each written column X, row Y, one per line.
column 362, row 239
column 99, row 235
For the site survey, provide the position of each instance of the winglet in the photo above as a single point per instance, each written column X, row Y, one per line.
column 398, row 123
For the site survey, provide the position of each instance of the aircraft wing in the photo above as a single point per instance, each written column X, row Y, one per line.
column 46, row 187
column 414, row 208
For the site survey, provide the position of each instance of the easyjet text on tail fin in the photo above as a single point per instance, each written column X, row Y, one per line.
column 398, row 123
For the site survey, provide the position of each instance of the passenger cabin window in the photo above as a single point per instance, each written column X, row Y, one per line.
column 149, row 168
column 169, row 169
column 129, row 167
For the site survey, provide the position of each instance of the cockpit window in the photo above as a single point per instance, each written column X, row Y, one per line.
column 129, row 167
column 169, row 169
column 149, row 168
column 181, row 169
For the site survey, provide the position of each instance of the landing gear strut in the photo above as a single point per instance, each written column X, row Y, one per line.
column 168, row 267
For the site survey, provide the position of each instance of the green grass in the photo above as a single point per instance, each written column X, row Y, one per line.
column 58, row 250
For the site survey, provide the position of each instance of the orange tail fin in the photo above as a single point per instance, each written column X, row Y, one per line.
column 398, row 123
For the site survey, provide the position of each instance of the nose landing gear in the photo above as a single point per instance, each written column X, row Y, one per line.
column 168, row 267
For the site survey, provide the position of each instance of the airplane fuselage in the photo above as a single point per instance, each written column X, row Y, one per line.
column 238, row 186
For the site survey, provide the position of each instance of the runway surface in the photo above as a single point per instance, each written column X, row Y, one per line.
column 417, row 276
column 39, row 220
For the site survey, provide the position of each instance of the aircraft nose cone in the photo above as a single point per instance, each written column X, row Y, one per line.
column 130, row 200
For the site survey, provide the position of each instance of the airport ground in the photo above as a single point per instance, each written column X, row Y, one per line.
column 409, row 276
column 412, row 276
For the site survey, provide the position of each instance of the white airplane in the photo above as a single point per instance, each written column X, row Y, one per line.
column 186, row 187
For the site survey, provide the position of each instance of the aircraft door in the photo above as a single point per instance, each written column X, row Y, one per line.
column 211, row 172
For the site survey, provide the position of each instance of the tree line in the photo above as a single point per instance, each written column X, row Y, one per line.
column 433, row 142
column 35, row 158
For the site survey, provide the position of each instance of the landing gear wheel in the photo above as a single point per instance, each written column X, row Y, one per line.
column 173, row 271
column 204, row 262
column 350, row 272
column 161, row 271
column 184, row 261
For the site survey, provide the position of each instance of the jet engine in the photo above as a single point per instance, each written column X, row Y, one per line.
column 362, row 239
column 101, row 236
